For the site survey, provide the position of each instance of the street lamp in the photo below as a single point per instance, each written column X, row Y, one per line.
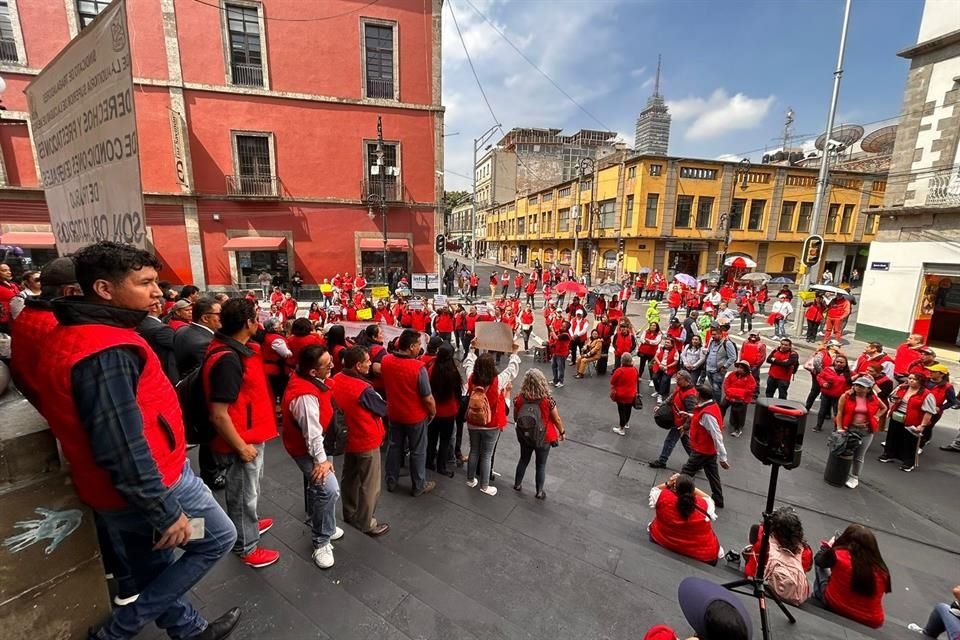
column 377, row 197
column 743, row 177
column 477, row 144
column 585, row 163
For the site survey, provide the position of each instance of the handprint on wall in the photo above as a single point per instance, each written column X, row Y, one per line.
column 54, row 526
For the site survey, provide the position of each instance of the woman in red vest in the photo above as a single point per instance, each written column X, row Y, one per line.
column 834, row 381
column 445, row 383
column 739, row 390
column 316, row 314
column 301, row 336
column 852, row 576
column 682, row 521
column 534, row 391
column 912, row 408
column 814, row 316
column 624, row 389
column 666, row 363
column 860, row 411
column 289, row 306
column 336, row 343
column 649, row 342
column 526, row 326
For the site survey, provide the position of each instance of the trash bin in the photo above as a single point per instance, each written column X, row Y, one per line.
column 838, row 468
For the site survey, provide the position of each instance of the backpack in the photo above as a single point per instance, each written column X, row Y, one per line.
column 531, row 431
column 335, row 433
column 785, row 575
column 479, row 412
column 193, row 402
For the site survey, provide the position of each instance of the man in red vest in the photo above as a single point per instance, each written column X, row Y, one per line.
column 307, row 412
column 706, row 443
column 363, row 410
column 8, row 291
column 242, row 413
column 118, row 421
column 682, row 401
column 410, row 407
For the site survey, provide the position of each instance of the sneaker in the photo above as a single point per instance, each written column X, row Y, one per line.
column 907, row 467
column 913, row 626
column 659, row 399
column 656, row 464
column 260, row 557
column 950, row 447
column 122, row 602
column 619, row 431
column 650, row 384
column 852, row 482
column 336, row 535
column 654, row 394
column 428, row 486
column 559, row 384
column 472, row 483
column 626, row 427
column 490, row 491
column 885, row 458
column 736, row 434
column 265, row 525
column 323, row 557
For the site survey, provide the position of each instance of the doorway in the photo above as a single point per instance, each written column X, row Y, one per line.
column 251, row 263
column 684, row 262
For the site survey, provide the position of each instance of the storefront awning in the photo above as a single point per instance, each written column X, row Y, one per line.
column 376, row 244
column 29, row 239
column 255, row 243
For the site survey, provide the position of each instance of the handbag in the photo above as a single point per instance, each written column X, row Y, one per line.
column 638, row 401
column 663, row 416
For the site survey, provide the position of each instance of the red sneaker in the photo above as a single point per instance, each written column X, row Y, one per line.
column 265, row 524
column 260, row 557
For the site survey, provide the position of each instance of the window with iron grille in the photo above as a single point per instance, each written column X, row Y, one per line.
column 786, row 216
column 632, row 172
column 832, row 215
column 378, row 58
column 254, row 166
column 704, row 212
column 697, row 173
column 608, row 214
column 88, row 10
column 847, row 219
column 564, row 193
column 586, row 185
column 803, row 217
column 684, row 208
column 246, row 56
column 653, row 201
column 8, row 44
column 548, row 196
column 563, row 216
column 655, row 169
column 755, row 222
column 386, row 178
column 628, row 214
column 736, row 214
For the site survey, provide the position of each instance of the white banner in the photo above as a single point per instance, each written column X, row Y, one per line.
column 178, row 129
column 85, row 134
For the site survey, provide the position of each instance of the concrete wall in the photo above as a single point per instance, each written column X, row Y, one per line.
column 939, row 17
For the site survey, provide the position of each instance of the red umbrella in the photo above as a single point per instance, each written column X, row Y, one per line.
column 740, row 262
column 572, row 286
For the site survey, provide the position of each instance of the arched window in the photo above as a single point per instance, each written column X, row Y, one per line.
column 548, row 255
column 610, row 260
column 565, row 256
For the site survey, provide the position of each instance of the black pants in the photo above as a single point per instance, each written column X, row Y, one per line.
column 644, row 363
column 455, row 451
column 624, row 409
column 661, row 382
column 738, row 414
column 602, row 362
column 439, row 434
column 780, row 386
column 708, row 463
column 458, row 342
column 473, row 291
column 828, row 408
column 748, row 318
column 525, row 454
column 900, row 444
column 526, row 338
column 814, row 392
column 812, row 327
column 531, row 301
column 575, row 345
column 446, row 336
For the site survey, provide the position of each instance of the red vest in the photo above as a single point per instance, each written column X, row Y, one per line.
column 623, row 385
column 753, row 352
column 700, row 439
column 400, row 381
column 28, row 334
column 914, row 411
column 739, row 388
column 693, row 537
column 444, row 323
column 623, row 343
column 296, row 344
column 840, row 598
column 498, row 405
column 904, row 358
column 850, row 407
column 252, row 412
column 783, row 372
column 668, row 361
column 678, row 403
column 292, row 433
column 365, row 430
column 156, row 400
column 273, row 364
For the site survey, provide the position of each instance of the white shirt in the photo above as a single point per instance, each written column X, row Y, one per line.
column 503, row 379
column 306, row 411
column 784, row 308
column 580, row 328
column 280, row 346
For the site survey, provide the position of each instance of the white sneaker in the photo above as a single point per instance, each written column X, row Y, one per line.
column 650, row 384
column 626, row 427
column 559, row 385
column 323, row 557
column 495, row 474
column 913, row 626
column 336, row 535
column 472, row 483
column 490, row 491
column 619, row 431
column 659, row 399
column 852, row 482
column 122, row 602
column 654, row 394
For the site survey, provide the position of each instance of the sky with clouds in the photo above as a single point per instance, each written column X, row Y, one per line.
column 731, row 69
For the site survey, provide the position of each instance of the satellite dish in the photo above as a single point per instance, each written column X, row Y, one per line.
column 844, row 136
column 881, row 140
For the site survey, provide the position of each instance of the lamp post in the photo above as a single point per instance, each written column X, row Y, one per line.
column 742, row 176
column 477, row 143
column 377, row 196
column 585, row 164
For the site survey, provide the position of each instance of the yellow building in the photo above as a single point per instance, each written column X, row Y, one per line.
column 673, row 214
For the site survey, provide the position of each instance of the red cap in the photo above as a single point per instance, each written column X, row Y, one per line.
column 660, row 632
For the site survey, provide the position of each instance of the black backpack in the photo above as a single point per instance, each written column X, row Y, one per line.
column 193, row 403
column 335, row 433
column 531, row 432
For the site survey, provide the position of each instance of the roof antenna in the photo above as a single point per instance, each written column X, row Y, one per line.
column 656, row 85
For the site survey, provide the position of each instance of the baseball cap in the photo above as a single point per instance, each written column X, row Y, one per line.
column 58, row 273
column 834, row 343
column 579, row 312
column 660, row 632
column 864, row 382
column 743, row 362
column 182, row 304
column 698, row 599
column 674, row 319
column 938, row 368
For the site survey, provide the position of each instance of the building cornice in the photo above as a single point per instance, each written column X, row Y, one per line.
column 931, row 45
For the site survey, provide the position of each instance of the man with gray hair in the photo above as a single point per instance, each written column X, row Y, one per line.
column 683, row 400
column 721, row 355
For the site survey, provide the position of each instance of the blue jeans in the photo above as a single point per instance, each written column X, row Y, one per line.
column 322, row 499
column 482, row 443
column 162, row 578
column 413, row 437
column 941, row 620
column 673, row 437
column 242, row 495
column 780, row 327
column 559, row 366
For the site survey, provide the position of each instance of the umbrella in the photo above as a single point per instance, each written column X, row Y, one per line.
column 760, row 277
column 740, row 262
column 645, row 270
column 713, row 275
column 826, row 288
column 607, row 289
column 685, row 279
column 572, row 286
column 781, row 280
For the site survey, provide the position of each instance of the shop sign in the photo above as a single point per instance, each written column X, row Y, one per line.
column 880, row 266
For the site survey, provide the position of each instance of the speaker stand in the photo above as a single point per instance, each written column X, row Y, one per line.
column 757, row 585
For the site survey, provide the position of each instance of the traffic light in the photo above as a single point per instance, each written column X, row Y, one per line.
column 621, row 245
column 441, row 244
column 812, row 250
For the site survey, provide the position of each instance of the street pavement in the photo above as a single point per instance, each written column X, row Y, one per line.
column 460, row 564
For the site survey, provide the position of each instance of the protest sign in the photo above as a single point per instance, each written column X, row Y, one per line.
column 418, row 281
column 365, row 314
column 439, row 301
column 85, row 135
column 380, row 293
column 415, row 305
column 494, row 336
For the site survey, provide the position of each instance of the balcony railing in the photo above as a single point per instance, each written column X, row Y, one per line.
column 247, row 75
column 943, row 189
column 253, row 186
column 8, row 50
column 380, row 89
column 389, row 188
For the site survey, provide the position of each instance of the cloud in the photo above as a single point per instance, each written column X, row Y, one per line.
column 648, row 82
column 638, row 73
column 719, row 114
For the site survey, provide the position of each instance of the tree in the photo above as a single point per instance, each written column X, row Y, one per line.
column 453, row 199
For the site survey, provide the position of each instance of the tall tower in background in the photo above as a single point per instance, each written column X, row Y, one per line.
column 653, row 123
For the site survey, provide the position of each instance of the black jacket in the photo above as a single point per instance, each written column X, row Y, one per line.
column 160, row 338
column 189, row 346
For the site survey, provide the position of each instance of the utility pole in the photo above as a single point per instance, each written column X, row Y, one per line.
column 477, row 143
column 584, row 163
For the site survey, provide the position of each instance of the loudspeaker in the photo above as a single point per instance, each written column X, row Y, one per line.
column 778, row 427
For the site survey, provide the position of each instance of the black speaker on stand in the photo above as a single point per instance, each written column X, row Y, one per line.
column 776, row 440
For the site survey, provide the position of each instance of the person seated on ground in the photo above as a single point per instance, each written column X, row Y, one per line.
column 789, row 557
column 591, row 352
column 944, row 618
column 852, row 576
column 714, row 613
column 682, row 520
